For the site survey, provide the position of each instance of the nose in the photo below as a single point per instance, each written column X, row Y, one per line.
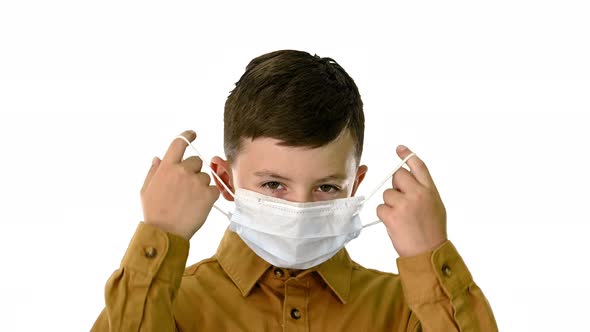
column 302, row 197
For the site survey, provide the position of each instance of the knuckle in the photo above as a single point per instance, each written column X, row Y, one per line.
column 403, row 207
column 206, row 177
column 193, row 159
column 386, row 194
column 214, row 194
column 198, row 162
column 177, row 173
column 383, row 212
column 192, row 164
column 165, row 166
column 203, row 178
column 420, row 163
column 421, row 194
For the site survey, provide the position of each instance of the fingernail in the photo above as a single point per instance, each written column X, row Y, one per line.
column 403, row 147
column 154, row 161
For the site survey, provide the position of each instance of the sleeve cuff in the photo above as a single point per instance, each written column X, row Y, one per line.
column 157, row 253
column 434, row 275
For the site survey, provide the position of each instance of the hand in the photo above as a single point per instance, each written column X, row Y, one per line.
column 413, row 212
column 176, row 196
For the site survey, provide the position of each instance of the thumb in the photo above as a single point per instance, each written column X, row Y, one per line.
column 155, row 164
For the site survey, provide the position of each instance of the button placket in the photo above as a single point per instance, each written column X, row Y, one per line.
column 295, row 305
column 295, row 313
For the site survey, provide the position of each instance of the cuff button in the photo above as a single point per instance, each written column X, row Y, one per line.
column 150, row 252
column 446, row 270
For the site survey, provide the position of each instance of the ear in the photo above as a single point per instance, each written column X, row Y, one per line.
column 222, row 168
column 360, row 175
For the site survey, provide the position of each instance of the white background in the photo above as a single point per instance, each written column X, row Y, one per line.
column 494, row 96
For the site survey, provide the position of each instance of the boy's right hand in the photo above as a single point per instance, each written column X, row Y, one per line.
column 176, row 196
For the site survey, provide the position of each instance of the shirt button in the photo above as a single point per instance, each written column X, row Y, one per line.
column 150, row 252
column 279, row 273
column 295, row 313
column 446, row 270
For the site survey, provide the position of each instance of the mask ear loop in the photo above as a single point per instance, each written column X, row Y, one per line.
column 227, row 214
column 382, row 183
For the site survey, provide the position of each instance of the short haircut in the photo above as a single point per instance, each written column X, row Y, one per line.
column 294, row 97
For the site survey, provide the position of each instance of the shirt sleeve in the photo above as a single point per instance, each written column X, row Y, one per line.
column 440, row 291
column 139, row 296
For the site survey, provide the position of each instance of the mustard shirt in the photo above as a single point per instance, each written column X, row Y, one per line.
column 235, row 290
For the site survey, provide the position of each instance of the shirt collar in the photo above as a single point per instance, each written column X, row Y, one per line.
column 337, row 273
column 245, row 268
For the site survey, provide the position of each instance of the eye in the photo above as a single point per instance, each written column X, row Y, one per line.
column 328, row 188
column 272, row 185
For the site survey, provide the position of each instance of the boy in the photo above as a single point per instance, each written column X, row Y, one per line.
column 293, row 134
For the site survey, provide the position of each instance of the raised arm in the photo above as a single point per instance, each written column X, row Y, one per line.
column 176, row 199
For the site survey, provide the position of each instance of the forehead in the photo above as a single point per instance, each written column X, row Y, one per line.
column 266, row 153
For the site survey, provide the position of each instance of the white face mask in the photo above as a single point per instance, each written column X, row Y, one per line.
column 295, row 235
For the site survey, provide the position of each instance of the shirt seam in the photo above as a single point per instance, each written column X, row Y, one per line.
column 358, row 267
column 193, row 268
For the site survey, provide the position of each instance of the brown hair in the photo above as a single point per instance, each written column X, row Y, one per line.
column 299, row 99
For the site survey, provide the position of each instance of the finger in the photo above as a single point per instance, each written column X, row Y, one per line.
column 214, row 192
column 193, row 164
column 404, row 181
column 392, row 197
column 178, row 146
column 204, row 178
column 417, row 166
column 383, row 212
column 151, row 172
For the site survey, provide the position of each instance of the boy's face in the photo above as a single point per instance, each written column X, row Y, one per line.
column 297, row 174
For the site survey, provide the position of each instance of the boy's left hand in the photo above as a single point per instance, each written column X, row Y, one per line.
column 413, row 212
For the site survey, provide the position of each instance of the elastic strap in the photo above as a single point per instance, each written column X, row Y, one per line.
column 383, row 182
column 372, row 223
column 206, row 164
column 389, row 176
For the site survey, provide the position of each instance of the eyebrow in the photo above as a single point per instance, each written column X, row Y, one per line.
column 280, row 177
column 271, row 175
